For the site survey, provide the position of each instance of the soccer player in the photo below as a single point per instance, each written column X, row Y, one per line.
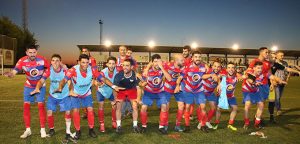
column 186, row 53
column 56, row 73
column 153, row 90
column 250, row 88
column 106, row 92
column 231, row 80
column 193, row 91
column 210, row 82
column 93, row 64
column 34, row 67
column 128, row 80
column 175, row 70
column 81, row 76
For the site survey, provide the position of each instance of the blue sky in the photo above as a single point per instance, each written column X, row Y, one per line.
column 59, row 25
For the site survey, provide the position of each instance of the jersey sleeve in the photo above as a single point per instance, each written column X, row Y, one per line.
column 46, row 74
column 19, row 65
column 251, row 65
column 99, row 77
column 70, row 73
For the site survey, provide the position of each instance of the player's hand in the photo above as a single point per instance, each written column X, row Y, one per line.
column 8, row 74
column 215, row 77
column 73, row 94
column 100, row 84
column 113, row 102
column 117, row 89
column 57, row 91
column 219, row 88
column 283, row 82
column 159, row 63
column 35, row 91
column 177, row 89
column 139, row 102
column 258, row 83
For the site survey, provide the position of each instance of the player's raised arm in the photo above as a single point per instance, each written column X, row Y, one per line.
column 166, row 74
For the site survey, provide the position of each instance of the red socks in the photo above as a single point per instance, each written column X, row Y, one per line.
column 90, row 116
column 211, row 114
column 179, row 117
column 247, row 121
column 113, row 115
column 26, row 115
column 144, row 118
column 51, row 122
column 231, row 122
column 101, row 116
column 187, row 118
column 42, row 114
column 163, row 118
column 204, row 119
column 76, row 120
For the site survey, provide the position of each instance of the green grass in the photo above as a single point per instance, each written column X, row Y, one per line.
column 11, row 122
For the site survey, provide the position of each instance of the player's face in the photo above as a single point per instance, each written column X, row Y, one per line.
column 230, row 69
column 55, row 62
column 111, row 64
column 122, row 51
column 258, row 69
column 85, row 51
column 155, row 63
column 129, row 53
column 31, row 53
column 180, row 61
column 279, row 56
column 216, row 67
column 84, row 63
column 127, row 67
column 197, row 59
column 265, row 53
column 185, row 53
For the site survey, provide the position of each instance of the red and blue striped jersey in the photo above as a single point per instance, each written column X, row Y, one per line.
column 154, row 80
column 169, row 86
column 34, row 70
column 193, row 77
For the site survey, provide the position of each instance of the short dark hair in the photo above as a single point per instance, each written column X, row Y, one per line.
column 56, row 56
column 231, row 63
column 83, row 56
column 111, row 58
column 32, row 46
column 155, row 56
column 258, row 63
column 262, row 48
column 187, row 47
column 196, row 52
column 130, row 61
column 129, row 48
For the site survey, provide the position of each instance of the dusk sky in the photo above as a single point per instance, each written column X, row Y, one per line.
column 60, row 25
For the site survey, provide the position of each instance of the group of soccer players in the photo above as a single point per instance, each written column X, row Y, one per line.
column 192, row 82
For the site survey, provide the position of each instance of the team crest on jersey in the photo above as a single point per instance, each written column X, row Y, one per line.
column 175, row 75
column 156, row 81
column 230, row 87
column 34, row 72
column 196, row 77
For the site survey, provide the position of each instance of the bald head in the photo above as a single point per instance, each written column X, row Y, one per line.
column 178, row 60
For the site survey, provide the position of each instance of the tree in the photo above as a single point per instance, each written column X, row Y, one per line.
column 24, row 37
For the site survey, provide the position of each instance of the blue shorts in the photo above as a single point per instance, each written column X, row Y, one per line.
column 101, row 98
column 264, row 91
column 160, row 98
column 40, row 97
column 64, row 104
column 177, row 96
column 252, row 97
column 232, row 101
column 212, row 97
column 76, row 102
column 190, row 98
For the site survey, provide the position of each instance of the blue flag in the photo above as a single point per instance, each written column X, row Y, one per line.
column 223, row 102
